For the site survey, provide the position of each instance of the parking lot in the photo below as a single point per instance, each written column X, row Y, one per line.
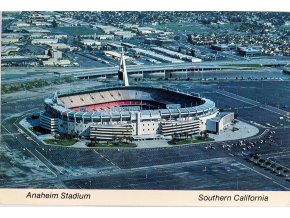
column 221, row 166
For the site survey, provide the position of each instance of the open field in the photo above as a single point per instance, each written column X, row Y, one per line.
column 183, row 27
column 79, row 30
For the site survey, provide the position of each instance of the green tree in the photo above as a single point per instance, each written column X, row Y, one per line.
column 54, row 23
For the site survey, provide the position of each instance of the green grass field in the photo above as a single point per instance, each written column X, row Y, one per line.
column 182, row 27
column 64, row 142
column 5, row 22
column 113, row 145
column 190, row 141
column 34, row 84
column 284, row 27
column 78, row 30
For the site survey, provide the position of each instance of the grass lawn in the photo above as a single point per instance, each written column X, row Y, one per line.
column 190, row 141
column 34, row 84
column 65, row 142
column 183, row 27
column 78, row 30
column 284, row 27
column 113, row 145
column 5, row 22
column 38, row 130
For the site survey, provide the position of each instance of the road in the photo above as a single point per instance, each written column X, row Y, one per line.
column 46, row 73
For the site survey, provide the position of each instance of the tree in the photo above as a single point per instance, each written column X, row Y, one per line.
column 273, row 166
column 256, row 159
column 54, row 24
column 176, row 37
column 268, row 163
column 114, row 139
column 286, row 172
column 206, row 135
column 189, row 38
column 261, row 162
column 279, row 169
column 192, row 52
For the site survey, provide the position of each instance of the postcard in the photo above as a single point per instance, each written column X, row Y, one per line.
column 145, row 108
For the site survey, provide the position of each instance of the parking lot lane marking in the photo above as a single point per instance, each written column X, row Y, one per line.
column 107, row 159
column 41, row 161
column 48, row 161
column 252, row 169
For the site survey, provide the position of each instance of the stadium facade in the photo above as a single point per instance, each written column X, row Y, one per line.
column 135, row 112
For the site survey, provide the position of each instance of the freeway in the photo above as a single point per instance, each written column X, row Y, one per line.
column 36, row 72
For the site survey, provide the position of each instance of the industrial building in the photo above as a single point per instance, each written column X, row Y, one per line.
column 9, row 50
column 245, row 51
column 175, row 54
column 117, row 55
column 220, row 47
column 156, row 56
column 105, row 37
column 60, row 46
column 6, row 41
column 129, row 45
column 55, row 54
column 125, row 34
column 56, row 62
column 43, row 41
column 90, row 42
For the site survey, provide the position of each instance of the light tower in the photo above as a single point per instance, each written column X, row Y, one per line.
column 122, row 73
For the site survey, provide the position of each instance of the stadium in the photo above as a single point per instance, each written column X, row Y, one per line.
column 135, row 112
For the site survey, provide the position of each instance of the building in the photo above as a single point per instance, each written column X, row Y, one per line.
column 117, row 55
column 159, row 41
column 156, row 56
column 70, row 22
column 55, row 62
column 90, row 42
column 55, row 54
column 60, row 36
column 128, row 45
column 105, row 37
column 21, row 24
column 252, row 51
column 150, row 41
column 43, row 41
column 108, row 29
column 145, row 30
column 60, row 46
column 9, row 50
column 12, row 35
column 127, row 111
column 220, row 47
column 115, row 46
column 17, row 60
column 175, row 54
column 36, row 30
column 125, row 34
column 220, row 122
column 6, row 41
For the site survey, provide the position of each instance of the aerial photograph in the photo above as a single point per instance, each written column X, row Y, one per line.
column 145, row 100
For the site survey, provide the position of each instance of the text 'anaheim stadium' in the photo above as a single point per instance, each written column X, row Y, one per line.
column 138, row 112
